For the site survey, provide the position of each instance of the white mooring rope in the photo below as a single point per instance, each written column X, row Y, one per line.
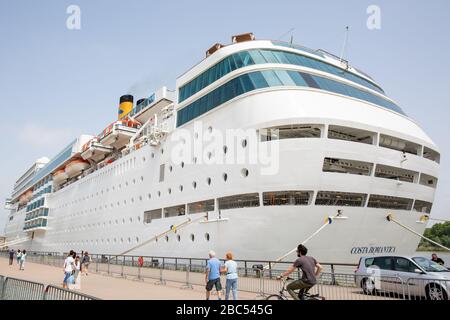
column 390, row 217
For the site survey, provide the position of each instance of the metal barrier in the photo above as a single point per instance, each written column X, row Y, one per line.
column 55, row 293
column 17, row 289
column 428, row 288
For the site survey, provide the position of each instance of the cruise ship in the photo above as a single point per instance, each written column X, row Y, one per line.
column 260, row 144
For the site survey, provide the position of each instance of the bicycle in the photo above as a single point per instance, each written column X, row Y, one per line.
column 283, row 296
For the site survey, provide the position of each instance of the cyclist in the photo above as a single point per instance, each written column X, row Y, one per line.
column 310, row 271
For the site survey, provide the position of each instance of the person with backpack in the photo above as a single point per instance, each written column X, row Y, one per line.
column 85, row 262
column 11, row 256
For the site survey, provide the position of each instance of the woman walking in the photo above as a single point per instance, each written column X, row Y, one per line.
column 22, row 260
column 230, row 269
column 76, row 274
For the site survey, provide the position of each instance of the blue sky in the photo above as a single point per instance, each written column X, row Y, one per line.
column 57, row 83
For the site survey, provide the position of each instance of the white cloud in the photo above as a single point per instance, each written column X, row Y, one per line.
column 38, row 136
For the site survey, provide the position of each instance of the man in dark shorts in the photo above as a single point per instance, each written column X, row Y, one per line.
column 310, row 270
column 212, row 277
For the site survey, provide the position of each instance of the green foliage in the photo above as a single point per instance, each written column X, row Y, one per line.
column 439, row 232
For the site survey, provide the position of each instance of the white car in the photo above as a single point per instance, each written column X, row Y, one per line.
column 406, row 276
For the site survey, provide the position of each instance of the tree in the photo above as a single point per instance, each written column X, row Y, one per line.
column 439, row 232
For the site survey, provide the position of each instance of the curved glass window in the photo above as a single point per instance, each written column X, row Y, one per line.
column 272, row 78
column 261, row 56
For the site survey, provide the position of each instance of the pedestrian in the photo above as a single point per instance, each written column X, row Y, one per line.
column 230, row 269
column 22, row 260
column 85, row 262
column 68, row 268
column 18, row 254
column 11, row 256
column 212, row 277
column 436, row 259
column 76, row 274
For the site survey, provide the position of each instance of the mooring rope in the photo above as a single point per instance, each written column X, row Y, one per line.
column 328, row 221
column 172, row 229
column 390, row 217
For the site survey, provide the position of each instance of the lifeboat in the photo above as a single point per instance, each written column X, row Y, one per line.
column 60, row 176
column 95, row 151
column 75, row 167
column 119, row 133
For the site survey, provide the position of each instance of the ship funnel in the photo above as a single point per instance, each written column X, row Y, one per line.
column 125, row 106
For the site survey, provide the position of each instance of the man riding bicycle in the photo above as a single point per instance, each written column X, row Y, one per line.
column 310, row 271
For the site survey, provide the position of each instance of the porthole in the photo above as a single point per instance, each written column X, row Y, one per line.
column 210, row 129
column 162, row 151
column 194, row 184
column 132, row 200
column 143, row 159
column 225, row 177
column 169, row 190
column 181, row 188
column 209, row 155
column 208, row 181
column 244, row 172
column 123, row 221
column 149, row 196
column 140, row 198
column 118, row 203
column 182, row 164
column 134, row 181
column 153, row 155
column 196, row 135
column 207, row 236
column 138, row 218
column 117, row 221
column 126, row 184
column 137, row 239
column 178, row 237
column 121, row 240
column 244, row 143
column 170, row 168
column 167, row 238
column 129, row 240
column 195, row 160
column 131, row 220
column 159, row 193
column 192, row 237
column 225, row 149
column 142, row 179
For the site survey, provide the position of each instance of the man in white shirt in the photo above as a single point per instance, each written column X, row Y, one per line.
column 69, row 265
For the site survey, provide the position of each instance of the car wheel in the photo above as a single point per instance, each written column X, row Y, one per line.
column 368, row 286
column 435, row 292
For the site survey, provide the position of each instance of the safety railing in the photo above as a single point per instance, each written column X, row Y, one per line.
column 334, row 283
column 19, row 289
column 56, row 293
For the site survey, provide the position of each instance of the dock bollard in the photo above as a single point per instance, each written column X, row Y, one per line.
column 187, row 285
column 161, row 281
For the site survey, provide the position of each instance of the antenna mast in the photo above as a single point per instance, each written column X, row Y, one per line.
column 345, row 44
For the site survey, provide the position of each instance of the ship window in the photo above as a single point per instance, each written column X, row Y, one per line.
column 201, row 206
column 225, row 177
column 263, row 79
column 431, row 154
column 293, row 131
column 151, row 215
column 207, row 237
column 192, row 237
column 422, row 206
column 388, row 202
column 351, row 134
column 208, row 181
column 244, row 172
column 174, row 211
column 239, row 201
column 331, row 198
column 178, row 237
column 347, row 166
column 399, row 144
column 194, row 184
column 428, row 180
column 394, row 173
column 290, row 198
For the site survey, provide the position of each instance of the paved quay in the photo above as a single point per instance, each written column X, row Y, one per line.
column 110, row 287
